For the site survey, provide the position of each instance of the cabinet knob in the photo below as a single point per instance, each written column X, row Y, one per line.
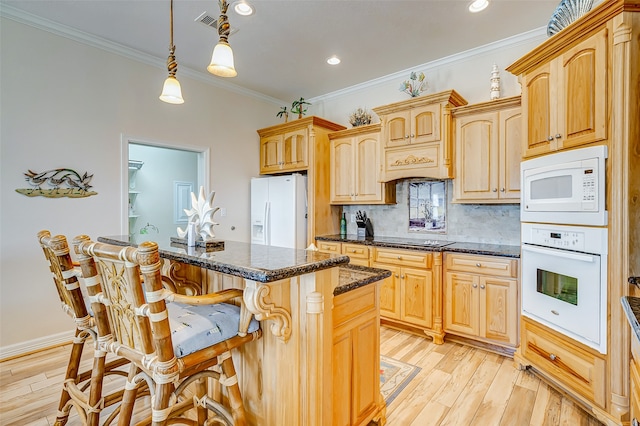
column 402, row 277
column 475, row 286
column 396, row 275
column 413, row 136
column 478, row 265
column 501, row 189
column 550, row 138
column 552, row 357
column 558, row 135
column 399, row 257
column 353, row 251
column 482, row 286
column 495, row 189
column 406, row 136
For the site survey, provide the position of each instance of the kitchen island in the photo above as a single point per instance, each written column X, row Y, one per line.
column 318, row 361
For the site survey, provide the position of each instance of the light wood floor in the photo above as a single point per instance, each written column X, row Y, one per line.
column 458, row 385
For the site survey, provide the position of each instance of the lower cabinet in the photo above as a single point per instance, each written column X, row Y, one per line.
column 481, row 298
column 635, row 381
column 568, row 363
column 412, row 295
column 358, row 253
column 356, row 357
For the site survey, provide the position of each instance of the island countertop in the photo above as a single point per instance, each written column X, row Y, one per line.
column 250, row 261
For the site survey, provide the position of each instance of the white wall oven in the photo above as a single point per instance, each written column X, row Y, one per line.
column 564, row 270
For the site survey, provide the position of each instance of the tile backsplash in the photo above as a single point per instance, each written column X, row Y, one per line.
column 475, row 223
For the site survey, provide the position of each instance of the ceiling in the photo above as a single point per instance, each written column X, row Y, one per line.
column 281, row 50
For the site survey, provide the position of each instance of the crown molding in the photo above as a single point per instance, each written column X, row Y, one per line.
column 65, row 31
column 537, row 35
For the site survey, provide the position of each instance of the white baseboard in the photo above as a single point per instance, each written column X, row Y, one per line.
column 35, row 345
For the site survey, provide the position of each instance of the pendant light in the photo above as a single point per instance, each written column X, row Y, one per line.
column 222, row 58
column 171, row 91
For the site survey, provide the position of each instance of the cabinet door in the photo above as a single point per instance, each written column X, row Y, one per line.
column 417, row 296
column 425, row 123
column 397, row 129
column 294, row 151
column 271, row 154
column 477, row 164
column 366, row 370
column 499, row 309
column 367, row 170
column 461, row 303
column 342, row 170
column 342, row 382
column 390, row 292
column 510, row 151
column 539, row 111
column 582, row 91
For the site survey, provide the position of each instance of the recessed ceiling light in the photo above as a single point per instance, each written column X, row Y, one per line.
column 334, row 60
column 243, row 8
column 478, row 5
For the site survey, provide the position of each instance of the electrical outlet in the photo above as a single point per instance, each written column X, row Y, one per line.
column 223, row 211
column 353, row 218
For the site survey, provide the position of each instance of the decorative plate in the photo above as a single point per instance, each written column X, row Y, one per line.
column 567, row 12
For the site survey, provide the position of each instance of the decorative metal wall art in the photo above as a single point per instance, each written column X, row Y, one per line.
column 567, row 12
column 59, row 183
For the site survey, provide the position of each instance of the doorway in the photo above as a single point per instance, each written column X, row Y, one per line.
column 157, row 186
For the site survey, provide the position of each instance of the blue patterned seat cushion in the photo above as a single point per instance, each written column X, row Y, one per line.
column 195, row 327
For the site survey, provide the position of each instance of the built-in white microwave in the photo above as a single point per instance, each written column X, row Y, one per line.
column 567, row 187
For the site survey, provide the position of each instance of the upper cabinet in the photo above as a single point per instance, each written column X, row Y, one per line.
column 564, row 99
column 302, row 145
column 416, row 136
column 488, row 151
column 355, row 167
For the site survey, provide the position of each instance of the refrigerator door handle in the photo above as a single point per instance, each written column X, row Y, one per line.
column 267, row 223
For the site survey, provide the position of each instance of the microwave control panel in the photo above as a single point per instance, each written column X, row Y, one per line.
column 589, row 189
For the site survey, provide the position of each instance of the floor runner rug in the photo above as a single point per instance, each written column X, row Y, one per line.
column 394, row 376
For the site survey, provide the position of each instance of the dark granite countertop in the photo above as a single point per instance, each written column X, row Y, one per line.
column 631, row 307
column 355, row 276
column 419, row 244
column 251, row 261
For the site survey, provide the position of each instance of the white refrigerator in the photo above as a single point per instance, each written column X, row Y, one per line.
column 279, row 211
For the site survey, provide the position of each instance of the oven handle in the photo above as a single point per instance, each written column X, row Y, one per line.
column 562, row 253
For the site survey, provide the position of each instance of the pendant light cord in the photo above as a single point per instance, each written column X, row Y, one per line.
column 172, row 65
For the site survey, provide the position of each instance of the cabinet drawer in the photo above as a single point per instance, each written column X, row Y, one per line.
column 328, row 247
column 487, row 265
column 579, row 369
column 403, row 257
column 357, row 251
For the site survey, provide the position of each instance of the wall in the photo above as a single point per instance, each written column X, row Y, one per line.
column 67, row 104
column 468, row 73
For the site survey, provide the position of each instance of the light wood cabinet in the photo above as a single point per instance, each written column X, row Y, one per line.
column 329, row 247
column 356, row 357
column 358, row 253
column 481, row 298
column 355, row 168
column 302, row 145
column 412, row 295
column 575, row 366
column 595, row 96
column 417, row 137
column 635, row 381
column 488, row 143
column 564, row 100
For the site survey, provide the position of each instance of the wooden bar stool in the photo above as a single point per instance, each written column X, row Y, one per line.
column 82, row 389
column 174, row 340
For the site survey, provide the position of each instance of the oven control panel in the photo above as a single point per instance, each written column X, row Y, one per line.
column 569, row 240
column 576, row 238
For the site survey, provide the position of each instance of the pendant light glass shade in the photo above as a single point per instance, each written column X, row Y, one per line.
column 222, row 61
column 171, row 91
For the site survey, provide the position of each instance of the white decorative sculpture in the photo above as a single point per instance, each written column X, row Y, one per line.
column 495, row 83
column 201, row 215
